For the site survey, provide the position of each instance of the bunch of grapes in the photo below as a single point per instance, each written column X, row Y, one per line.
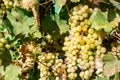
column 83, row 46
column 8, row 3
column 2, row 10
column 45, row 61
column 51, row 66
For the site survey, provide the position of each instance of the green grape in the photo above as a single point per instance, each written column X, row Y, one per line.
column 1, row 45
column 7, row 46
column 3, row 40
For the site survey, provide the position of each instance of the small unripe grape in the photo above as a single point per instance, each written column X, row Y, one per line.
column 98, row 47
column 57, row 78
column 92, row 46
column 1, row 45
column 85, row 56
column 92, row 63
column 95, row 36
column 91, row 70
column 87, row 65
column 91, row 31
column 10, row 3
column 84, row 15
column 90, row 53
column 87, row 73
column 86, row 77
column 3, row 40
column 81, row 74
column 103, row 50
column 72, row 75
column 91, row 58
column 7, row 46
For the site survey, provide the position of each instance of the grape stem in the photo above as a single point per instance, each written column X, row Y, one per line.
column 60, row 75
column 67, row 9
column 45, row 3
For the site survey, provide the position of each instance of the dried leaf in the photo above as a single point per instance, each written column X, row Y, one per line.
column 112, row 65
column 115, row 3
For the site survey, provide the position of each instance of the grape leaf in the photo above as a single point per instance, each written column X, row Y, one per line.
column 12, row 72
column 57, row 9
column 50, row 26
column 62, row 24
column 111, row 67
column 98, row 18
column 109, row 57
column 20, row 22
column 54, row 26
column 99, row 21
column 58, row 5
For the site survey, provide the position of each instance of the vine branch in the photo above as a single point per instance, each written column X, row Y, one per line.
column 45, row 2
column 67, row 9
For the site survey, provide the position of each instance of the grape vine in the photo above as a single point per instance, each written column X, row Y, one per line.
column 59, row 40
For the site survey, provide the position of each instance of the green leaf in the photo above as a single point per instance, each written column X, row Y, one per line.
column 50, row 26
column 98, row 21
column 98, row 18
column 57, row 9
column 109, row 57
column 20, row 21
column 62, row 24
column 58, row 5
column 34, row 30
column 12, row 72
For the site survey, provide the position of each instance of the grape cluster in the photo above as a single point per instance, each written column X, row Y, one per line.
column 2, row 10
column 8, row 3
column 83, row 46
column 50, row 66
column 46, row 60
column 4, row 45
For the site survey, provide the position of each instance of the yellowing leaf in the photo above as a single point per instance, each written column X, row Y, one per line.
column 60, row 2
column 112, row 65
column 110, row 68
